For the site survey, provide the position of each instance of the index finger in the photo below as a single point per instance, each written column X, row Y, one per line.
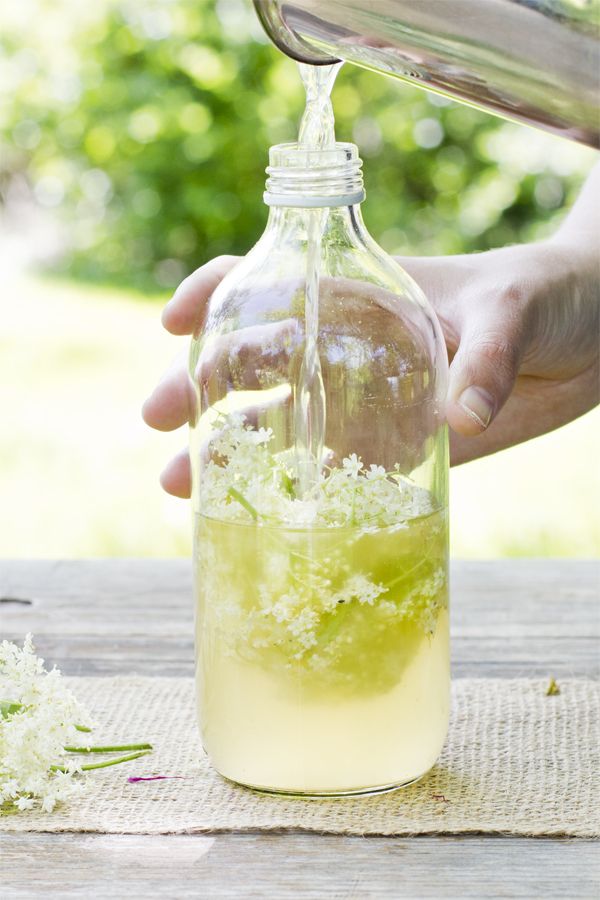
column 184, row 312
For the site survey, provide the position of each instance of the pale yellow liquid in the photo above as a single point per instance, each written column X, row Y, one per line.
column 364, row 707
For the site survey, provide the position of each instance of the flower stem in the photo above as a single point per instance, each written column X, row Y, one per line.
column 390, row 584
column 103, row 765
column 235, row 495
column 335, row 623
column 115, row 748
column 114, row 762
column 288, row 485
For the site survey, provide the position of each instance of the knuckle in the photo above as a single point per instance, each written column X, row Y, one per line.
column 500, row 351
column 507, row 302
column 513, row 295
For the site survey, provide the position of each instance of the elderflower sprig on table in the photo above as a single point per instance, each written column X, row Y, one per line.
column 40, row 726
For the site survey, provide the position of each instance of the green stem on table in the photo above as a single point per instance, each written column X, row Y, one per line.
column 113, row 749
column 105, row 764
column 83, row 728
column 235, row 495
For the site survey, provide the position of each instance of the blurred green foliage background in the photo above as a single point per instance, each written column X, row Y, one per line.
column 145, row 126
column 133, row 141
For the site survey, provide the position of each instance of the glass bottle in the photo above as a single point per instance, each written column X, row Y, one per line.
column 319, row 473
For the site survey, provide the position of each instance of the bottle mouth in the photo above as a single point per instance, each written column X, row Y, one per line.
column 314, row 178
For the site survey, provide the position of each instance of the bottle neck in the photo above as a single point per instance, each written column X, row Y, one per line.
column 342, row 224
column 311, row 179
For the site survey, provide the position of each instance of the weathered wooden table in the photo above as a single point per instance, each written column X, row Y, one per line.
column 512, row 618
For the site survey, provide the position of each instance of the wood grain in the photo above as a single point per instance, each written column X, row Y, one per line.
column 287, row 867
column 109, row 617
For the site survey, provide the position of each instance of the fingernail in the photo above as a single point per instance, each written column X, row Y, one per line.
column 478, row 405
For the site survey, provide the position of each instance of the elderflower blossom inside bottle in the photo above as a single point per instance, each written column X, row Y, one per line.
column 319, row 467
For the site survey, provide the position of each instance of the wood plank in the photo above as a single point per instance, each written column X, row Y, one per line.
column 517, row 617
column 540, row 595
column 474, row 657
column 510, row 618
column 286, row 867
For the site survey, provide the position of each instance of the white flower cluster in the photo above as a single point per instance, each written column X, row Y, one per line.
column 302, row 612
column 38, row 719
column 340, row 586
column 243, row 481
column 346, row 609
column 300, row 609
column 423, row 603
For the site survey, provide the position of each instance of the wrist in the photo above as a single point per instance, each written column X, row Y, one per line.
column 564, row 309
column 577, row 255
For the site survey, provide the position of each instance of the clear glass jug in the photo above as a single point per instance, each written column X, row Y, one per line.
column 319, row 472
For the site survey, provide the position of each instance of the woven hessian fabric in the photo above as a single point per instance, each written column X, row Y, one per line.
column 516, row 761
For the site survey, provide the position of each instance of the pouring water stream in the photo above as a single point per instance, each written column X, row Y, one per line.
column 316, row 133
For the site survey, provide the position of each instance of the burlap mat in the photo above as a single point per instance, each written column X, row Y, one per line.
column 516, row 761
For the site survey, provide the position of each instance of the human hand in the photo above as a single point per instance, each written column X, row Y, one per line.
column 522, row 329
column 254, row 358
column 520, row 323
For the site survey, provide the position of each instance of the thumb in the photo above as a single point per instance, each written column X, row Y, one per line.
column 482, row 374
